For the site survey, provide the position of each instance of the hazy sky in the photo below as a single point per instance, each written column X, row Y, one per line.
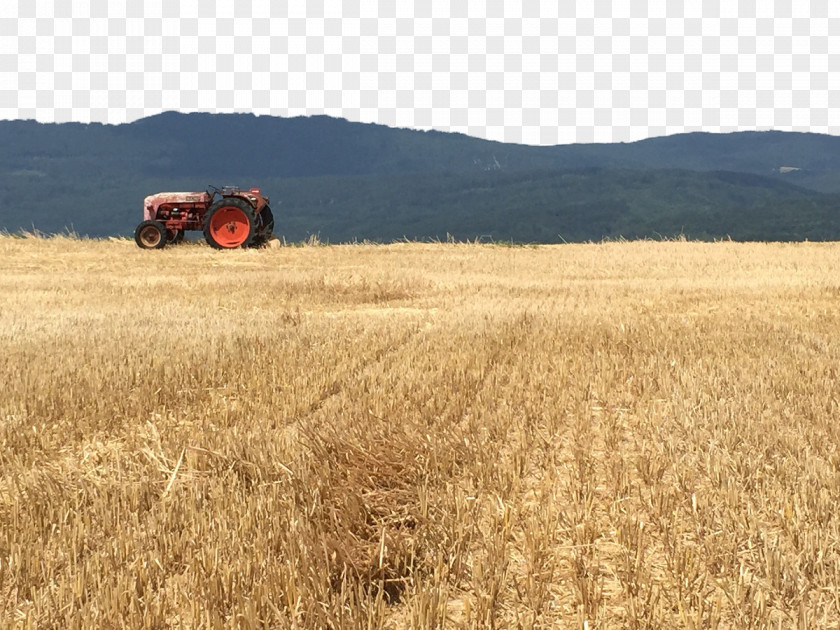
column 534, row 72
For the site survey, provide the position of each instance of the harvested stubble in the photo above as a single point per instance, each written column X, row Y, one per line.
column 444, row 435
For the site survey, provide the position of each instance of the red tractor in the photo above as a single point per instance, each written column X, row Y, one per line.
column 238, row 218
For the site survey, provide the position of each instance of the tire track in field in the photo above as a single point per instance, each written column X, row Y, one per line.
column 339, row 384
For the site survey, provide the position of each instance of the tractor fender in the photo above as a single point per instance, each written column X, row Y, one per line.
column 254, row 201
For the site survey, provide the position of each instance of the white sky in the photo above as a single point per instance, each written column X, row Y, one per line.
column 536, row 72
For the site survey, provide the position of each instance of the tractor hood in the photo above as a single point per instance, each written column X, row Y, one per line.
column 153, row 202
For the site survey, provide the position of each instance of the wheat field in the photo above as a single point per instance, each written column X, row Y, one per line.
column 612, row 435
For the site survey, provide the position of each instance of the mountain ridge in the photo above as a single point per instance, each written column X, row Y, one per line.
column 93, row 176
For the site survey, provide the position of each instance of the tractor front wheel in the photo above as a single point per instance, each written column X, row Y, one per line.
column 150, row 235
column 230, row 223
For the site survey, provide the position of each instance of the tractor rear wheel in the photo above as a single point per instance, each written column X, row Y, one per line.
column 268, row 221
column 230, row 223
column 150, row 235
column 266, row 231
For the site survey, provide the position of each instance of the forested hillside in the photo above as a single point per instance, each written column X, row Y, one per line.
column 348, row 181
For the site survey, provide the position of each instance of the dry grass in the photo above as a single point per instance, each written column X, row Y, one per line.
column 636, row 435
